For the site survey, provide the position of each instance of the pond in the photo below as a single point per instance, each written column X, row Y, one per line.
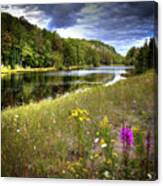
column 22, row 88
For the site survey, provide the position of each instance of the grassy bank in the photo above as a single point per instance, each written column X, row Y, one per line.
column 18, row 69
column 77, row 136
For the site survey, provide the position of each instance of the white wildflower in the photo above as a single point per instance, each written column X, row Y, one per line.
column 106, row 174
column 104, row 145
column 16, row 116
column 96, row 140
column 149, row 176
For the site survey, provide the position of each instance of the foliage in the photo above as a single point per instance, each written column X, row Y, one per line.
column 30, row 46
column 143, row 58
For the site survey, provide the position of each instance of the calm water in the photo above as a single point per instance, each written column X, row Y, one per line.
column 31, row 87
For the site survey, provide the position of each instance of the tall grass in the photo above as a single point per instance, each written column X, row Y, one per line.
column 78, row 136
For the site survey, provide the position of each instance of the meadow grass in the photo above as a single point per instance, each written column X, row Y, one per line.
column 77, row 136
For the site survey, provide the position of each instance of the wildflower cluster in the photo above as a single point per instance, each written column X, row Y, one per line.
column 76, row 169
column 78, row 118
column 126, row 136
column 100, row 157
column 80, row 114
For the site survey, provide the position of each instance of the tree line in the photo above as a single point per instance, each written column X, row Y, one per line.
column 143, row 58
column 26, row 45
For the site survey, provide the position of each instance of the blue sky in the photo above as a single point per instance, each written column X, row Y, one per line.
column 121, row 25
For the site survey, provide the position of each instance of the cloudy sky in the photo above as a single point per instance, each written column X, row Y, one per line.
column 121, row 25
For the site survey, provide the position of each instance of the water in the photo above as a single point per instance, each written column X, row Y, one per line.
column 18, row 89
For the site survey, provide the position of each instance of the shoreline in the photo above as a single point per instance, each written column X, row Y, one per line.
column 6, row 71
column 116, row 79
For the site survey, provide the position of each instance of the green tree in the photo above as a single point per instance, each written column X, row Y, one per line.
column 58, row 60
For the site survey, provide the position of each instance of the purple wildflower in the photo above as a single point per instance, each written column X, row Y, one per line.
column 148, row 140
column 126, row 136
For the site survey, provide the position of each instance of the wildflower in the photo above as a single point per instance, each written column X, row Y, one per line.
column 16, row 116
column 109, row 161
column 72, row 169
column 106, row 174
column 74, row 113
column 103, row 143
column 136, row 129
column 96, row 140
column 96, row 155
column 149, row 176
column 126, row 136
column 17, row 130
column 148, row 140
column 112, row 141
column 81, row 119
column 104, row 123
column 91, row 157
column 115, row 155
column 80, row 114
column 80, row 159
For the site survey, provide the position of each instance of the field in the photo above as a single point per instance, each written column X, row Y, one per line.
column 80, row 135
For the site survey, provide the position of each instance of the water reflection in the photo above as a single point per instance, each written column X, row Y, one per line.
column 28, row 87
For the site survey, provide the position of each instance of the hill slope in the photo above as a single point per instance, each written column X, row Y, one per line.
column 25, row 44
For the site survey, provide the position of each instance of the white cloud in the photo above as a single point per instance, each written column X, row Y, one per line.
column 85, row 27
column 122, row 46
column 73, row 32
column 33, row 15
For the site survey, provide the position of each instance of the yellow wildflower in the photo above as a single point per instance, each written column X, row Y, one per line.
column 80, row 114
column 91, row 157
column 103, row 143
column 113, row 141
column 109, row 162
column 115, row 155
column 96, row 155
column 72, row 169
column 104, row 123
column 136, row 129
column 81, row 119
column 74, row 113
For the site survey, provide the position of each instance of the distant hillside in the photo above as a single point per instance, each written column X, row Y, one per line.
column 27, row 45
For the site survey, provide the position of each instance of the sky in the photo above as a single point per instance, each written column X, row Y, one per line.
column 119, row 24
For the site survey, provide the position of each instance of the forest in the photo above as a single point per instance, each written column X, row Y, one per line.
column 24, row 44
column 143, row 58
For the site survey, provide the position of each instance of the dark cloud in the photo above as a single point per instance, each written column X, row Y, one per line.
column 62, row 15
column 118, row 22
